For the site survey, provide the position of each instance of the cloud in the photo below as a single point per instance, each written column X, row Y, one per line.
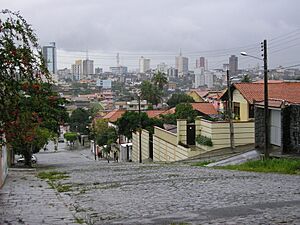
column 140, row 26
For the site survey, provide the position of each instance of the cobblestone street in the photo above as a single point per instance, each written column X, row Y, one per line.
column 130, row 193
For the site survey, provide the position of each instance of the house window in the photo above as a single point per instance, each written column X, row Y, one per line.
column 236, row 110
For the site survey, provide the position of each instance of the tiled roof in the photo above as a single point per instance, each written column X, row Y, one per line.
column 114, row 115
column 154, row 113
column 203, row 107
column 288, row 91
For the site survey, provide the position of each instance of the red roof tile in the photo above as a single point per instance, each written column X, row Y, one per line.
column 154, row 113
column 203, row 107
column 288, row 91
column 114, row 115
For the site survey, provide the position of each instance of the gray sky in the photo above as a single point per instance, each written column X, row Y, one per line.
column 157, row 29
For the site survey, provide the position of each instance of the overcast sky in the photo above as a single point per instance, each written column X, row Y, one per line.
column 157, row 29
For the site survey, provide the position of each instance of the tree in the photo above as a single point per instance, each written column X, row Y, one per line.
column 130, row 122
column 30, row 111
column 185, row 111
column 179, row 98
column 20, row 60
column 80, row 120
column 159, row 80
column 246, row 79
column 71, row 137
column 150, row 92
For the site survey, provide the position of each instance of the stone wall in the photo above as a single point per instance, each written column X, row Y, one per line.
column 291, row 129
column 259, row 128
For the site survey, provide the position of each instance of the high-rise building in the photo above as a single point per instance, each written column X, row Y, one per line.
column 209, row 78
column 172, row 72
column 199, row 77
column 233, row 65
column 144, row 65
column 87, row 67
column 200, row 63
column 182, row 65
column 49, row 54
column 77, row 69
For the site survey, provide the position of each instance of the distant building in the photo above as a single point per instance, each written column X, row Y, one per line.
column 233, row 65
column 64, row 74
column 98, row 70
column 49, row 54
column 199, row 77
column 162, row 67
column 87, row 67
column 225, row 66
column 201, row 63
column 144, row 65
column 105, row 84
column 182, row 65
column 118, row 69
column 172, row 72
column 209, row 78
column 77, row 70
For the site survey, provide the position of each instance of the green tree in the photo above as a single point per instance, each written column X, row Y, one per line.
column 246, row 79
column 71, row 137
column 185, row 111
column 150, row 93
column 80, row 120
column 31, row 111
column 130, row 122
column 159, row 80
column 179, row 98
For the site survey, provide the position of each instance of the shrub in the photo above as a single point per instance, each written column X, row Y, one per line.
column 202, row 140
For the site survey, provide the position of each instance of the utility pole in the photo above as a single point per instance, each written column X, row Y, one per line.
column 140, row 129
column 266, row 99
column 229, row 107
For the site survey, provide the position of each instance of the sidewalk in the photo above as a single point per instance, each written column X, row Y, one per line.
column 25, row 199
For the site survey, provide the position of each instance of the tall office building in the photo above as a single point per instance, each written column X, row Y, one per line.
column 182, row 65
column 200, row 63
column 49, row 54
column 87, row 67
column 233, row 65
column 199, row 77
column 144, row 65
column 77, row 69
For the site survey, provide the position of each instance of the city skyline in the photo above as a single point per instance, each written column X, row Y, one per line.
column 212, row 29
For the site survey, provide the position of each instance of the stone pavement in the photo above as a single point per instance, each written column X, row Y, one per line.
column 25, row 199
column 130, row 193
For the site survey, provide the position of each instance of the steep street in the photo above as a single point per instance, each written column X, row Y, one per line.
column 130, row 193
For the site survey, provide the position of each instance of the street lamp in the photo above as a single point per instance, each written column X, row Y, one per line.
column 266, row 103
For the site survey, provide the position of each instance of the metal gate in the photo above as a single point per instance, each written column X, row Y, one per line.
column 191, row 134
column 275, row 124
column 151, row 146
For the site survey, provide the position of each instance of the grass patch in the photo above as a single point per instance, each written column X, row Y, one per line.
column 79, row 220
column 53, row 175
column 285, row 166
column 203, row 163
column 63, row 188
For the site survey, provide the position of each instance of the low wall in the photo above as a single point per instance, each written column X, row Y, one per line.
column 3, row 164
column 144, row 146
column 165, row 147
column 219, row 132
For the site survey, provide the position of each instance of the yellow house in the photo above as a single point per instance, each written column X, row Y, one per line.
column 244, row 96
column 197, row 95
